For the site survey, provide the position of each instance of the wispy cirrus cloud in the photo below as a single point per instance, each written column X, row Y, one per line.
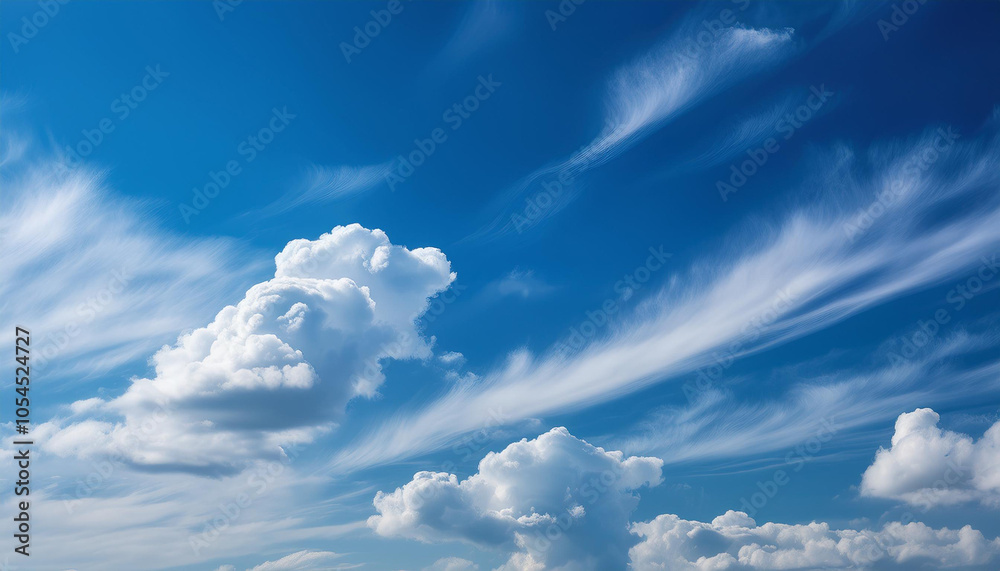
column 720, row 424
column 644, row 95
column 814, row 258
column 484, row 24
column 81, row 262
column 324, row 183
column 305, row 560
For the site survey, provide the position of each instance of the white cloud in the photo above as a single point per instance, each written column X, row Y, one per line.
column 721, row 423
column 734, row 541
column 483, row 25
column 82, row 263
column 452, row 359
column 646, row 94
column 278, row 367
column 452, row 564
column 741, row 133
column 927, row 466
column 650, row 90
column 323, row 184
column 558, row 502
column 805, row 273
column 303, row 561
column 521, row 283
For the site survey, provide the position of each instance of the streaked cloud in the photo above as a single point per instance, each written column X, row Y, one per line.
column 789, row 278
column 643, row 96
column 84, row 261
column 324, row 184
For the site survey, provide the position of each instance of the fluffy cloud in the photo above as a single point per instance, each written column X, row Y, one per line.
column 928, row 466
column 276, row 368
column 557, row 501
column 734, row 541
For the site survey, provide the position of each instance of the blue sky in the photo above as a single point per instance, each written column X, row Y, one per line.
column 416, row 290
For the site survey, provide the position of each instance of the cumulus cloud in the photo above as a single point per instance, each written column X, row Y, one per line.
column 926, row 466
column 557, row 502
column 734, row 541
column 278, row 367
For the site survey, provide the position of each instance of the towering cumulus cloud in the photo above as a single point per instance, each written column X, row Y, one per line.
column 927, row 466
column 557, row 502
column 276, row 368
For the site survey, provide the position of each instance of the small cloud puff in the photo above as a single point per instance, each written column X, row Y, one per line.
column 522, row 283
column 452, row 359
